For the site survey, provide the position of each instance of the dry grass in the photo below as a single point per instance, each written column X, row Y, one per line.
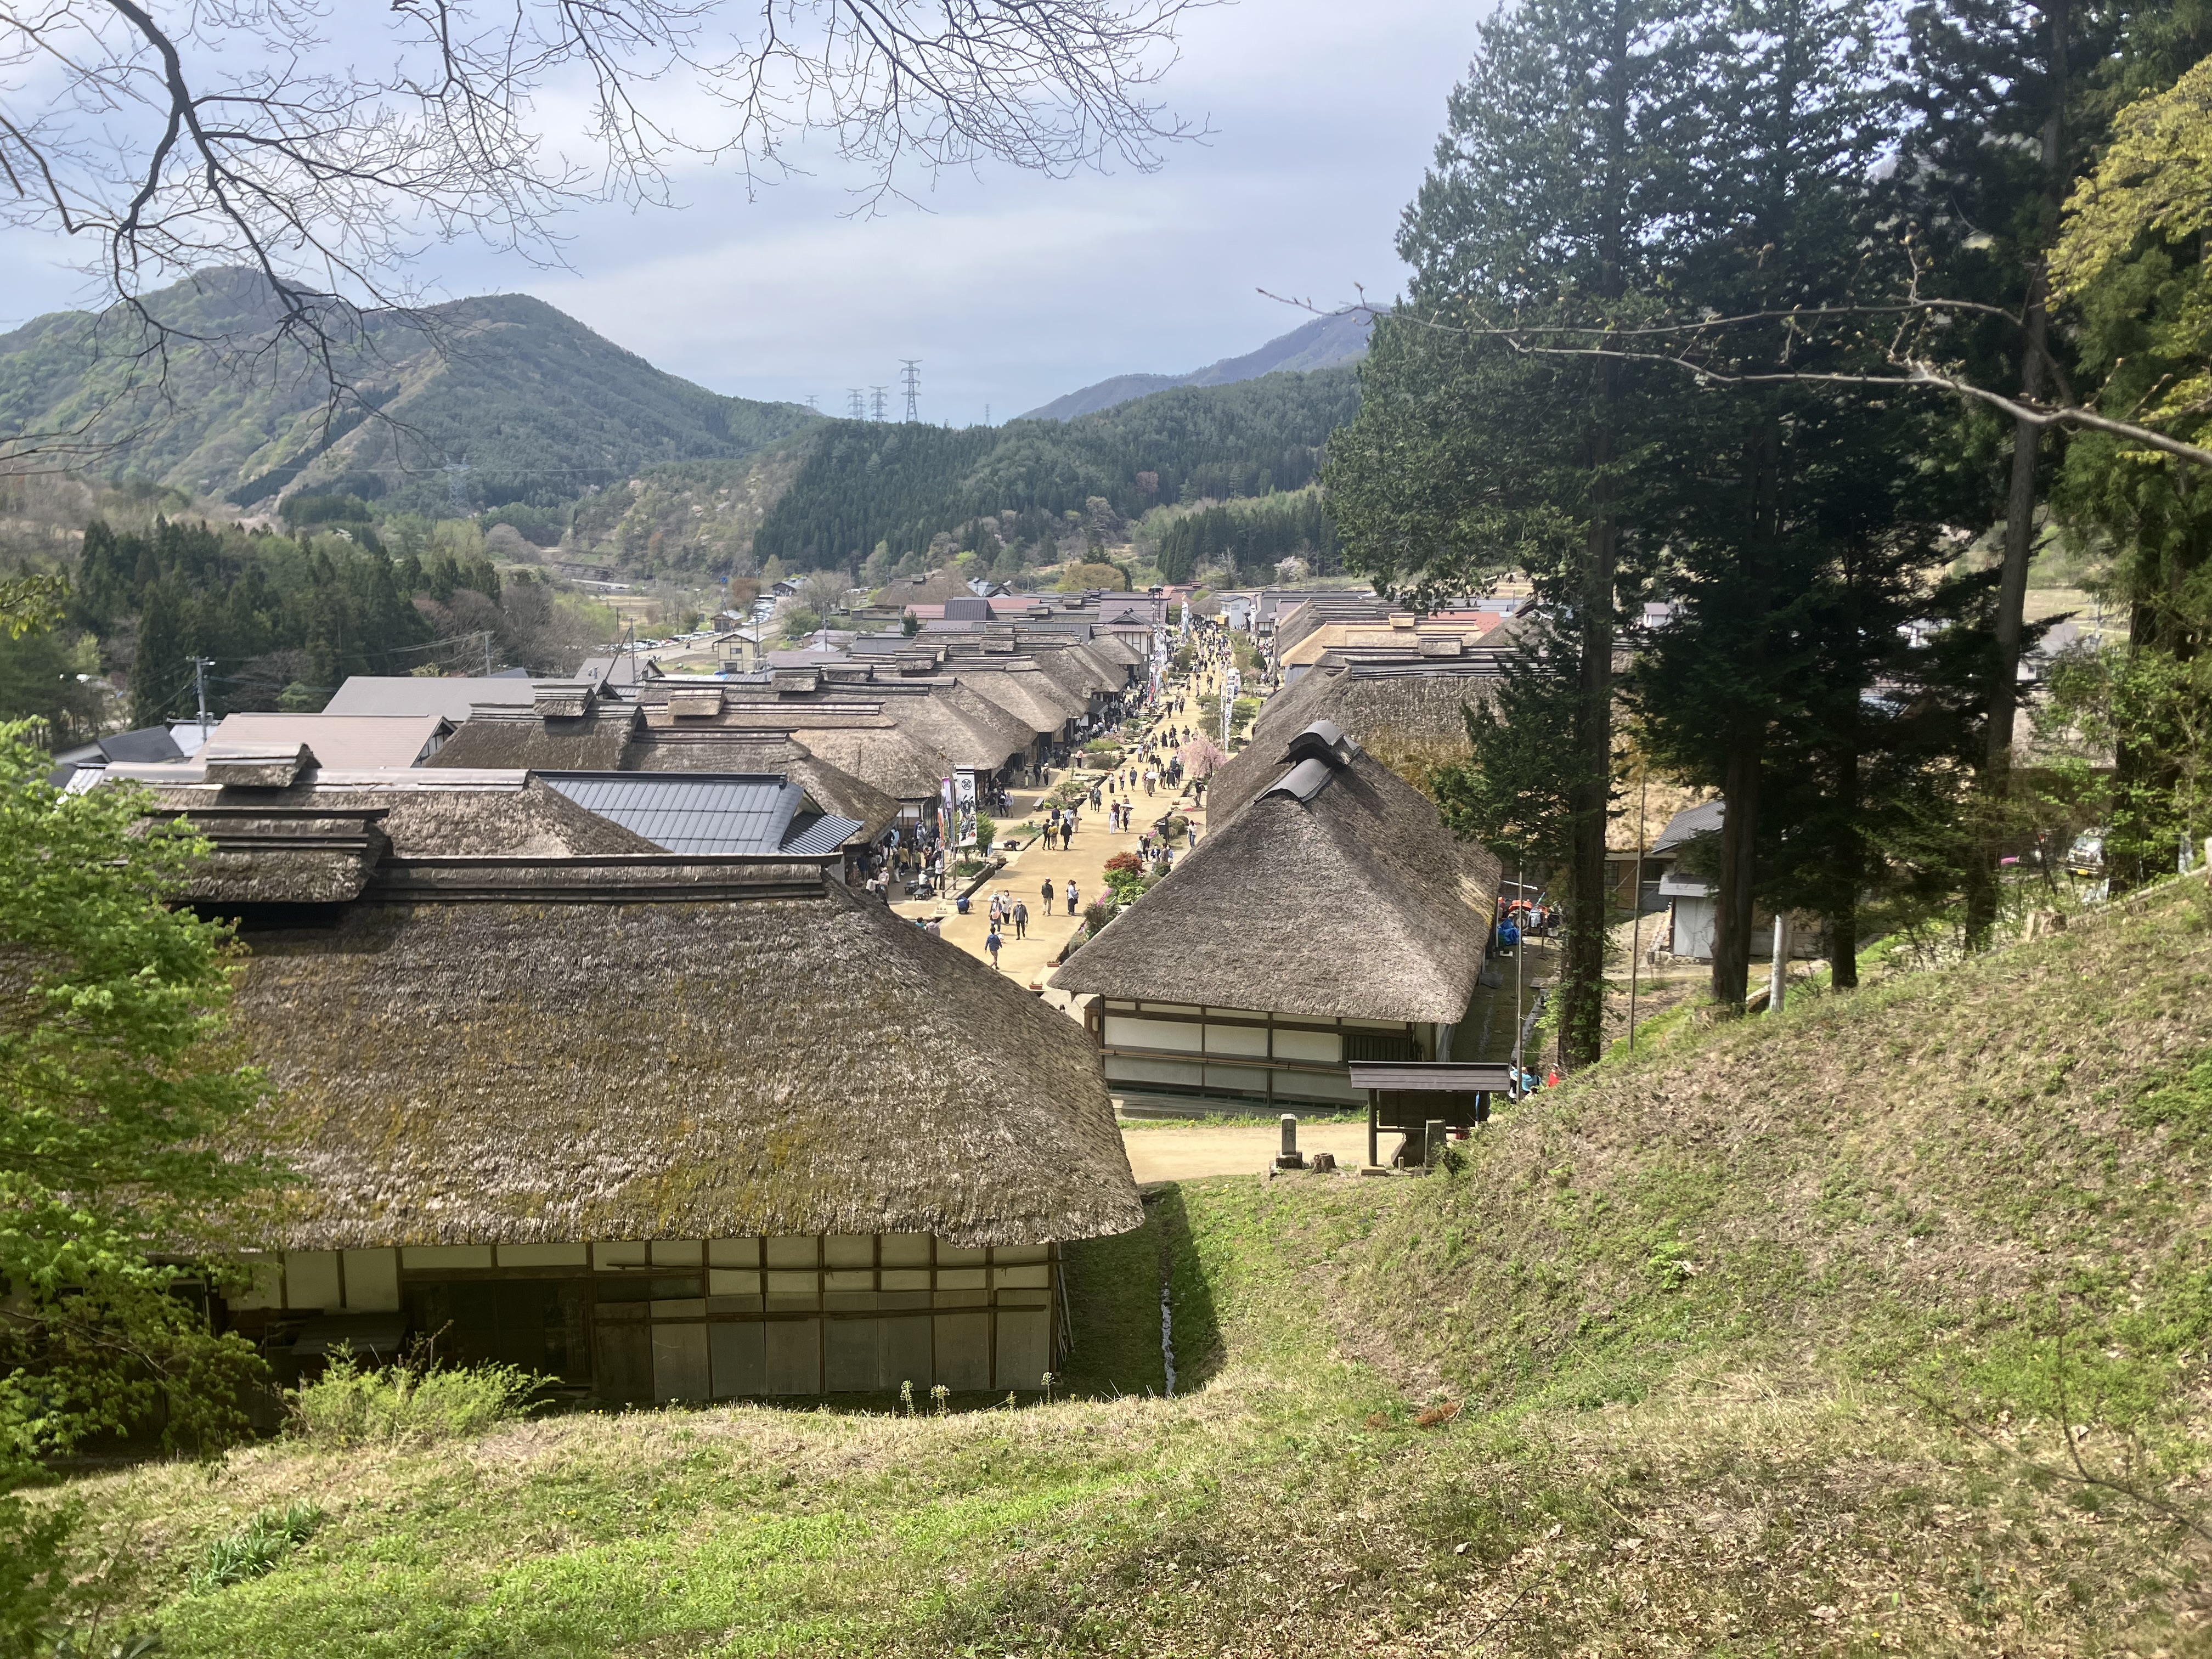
column 1762, row 1345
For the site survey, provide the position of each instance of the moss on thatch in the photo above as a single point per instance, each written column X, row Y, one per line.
column 592, row 742
column 537, row 1072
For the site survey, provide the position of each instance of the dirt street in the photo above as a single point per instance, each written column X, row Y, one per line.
column 1027, row 960
column 1190, row 1152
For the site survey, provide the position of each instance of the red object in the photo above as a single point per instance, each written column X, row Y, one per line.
column 1551, row 1078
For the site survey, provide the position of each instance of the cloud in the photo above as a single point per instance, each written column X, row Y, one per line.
column 1013, row 288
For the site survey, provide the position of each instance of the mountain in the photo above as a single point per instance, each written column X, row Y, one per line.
column 536, row 407
column 1321, row 343
column 865, row 483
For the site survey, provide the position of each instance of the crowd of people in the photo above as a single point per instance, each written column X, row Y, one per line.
column 1154, row 733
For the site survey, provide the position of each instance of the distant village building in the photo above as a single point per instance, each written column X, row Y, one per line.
column 1692, row 902
column 665, row 1125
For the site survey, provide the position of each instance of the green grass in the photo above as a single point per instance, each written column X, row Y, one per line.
column 1758, row 1344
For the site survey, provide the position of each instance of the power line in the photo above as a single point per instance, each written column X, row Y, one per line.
column 910, row 371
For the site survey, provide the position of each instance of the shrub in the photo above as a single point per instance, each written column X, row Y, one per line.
column 413, row 1403
column 255, row 1547
column 987, row 832
column 1176, row 824
column 1123, row 864
column 1102, row 746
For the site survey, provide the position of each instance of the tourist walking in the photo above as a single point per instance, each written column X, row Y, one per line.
column 991, row 945
column 1074, row 899
column 1021, row 920
column 1048, row 895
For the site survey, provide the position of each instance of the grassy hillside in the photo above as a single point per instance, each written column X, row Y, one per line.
column 538, row 407
column 1881, row 1327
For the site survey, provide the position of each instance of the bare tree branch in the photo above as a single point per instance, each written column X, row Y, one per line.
column 1917, row 373
column 245, row 134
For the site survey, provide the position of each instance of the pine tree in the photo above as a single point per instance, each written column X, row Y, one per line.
column 1553, row 181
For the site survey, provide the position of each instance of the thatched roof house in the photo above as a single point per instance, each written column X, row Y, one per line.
column 1331, row 919
column 675, row 730
column 668, row 1127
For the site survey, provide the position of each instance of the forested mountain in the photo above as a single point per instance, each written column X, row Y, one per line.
column 865, row 483
column 536, row 407
column 1324, row 342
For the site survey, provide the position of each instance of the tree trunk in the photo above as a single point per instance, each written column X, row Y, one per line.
column 2020, row 515
column 1732, row 928
column 1582, row 979
column 1589, row 789
column 1849, row 864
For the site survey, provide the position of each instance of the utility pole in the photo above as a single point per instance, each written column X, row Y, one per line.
column 879, row 391
column 1778, row 973
column 200, row 666
column 1520, row 955
column 910, row 371
column 1635, row 927
column 487, row 638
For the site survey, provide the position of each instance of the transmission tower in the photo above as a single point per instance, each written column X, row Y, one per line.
column 814, row 402
column 854, row 409
column 457, row 488
column 879, row 391
column 910, row 371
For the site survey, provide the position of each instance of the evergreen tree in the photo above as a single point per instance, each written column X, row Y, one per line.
column 1755, row 488
column 1553, row 184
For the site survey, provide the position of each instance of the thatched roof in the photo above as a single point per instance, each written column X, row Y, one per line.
column 592, row 742
column 1020, row 689
column 1337, row 891
column 884, row 756
column 1411, row 721
column 1075, row 673
column 1001, row 733
column 515, row 1072
column 614, row 737
column 320, row 839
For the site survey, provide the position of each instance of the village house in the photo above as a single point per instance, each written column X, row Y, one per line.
column 1329, row 919
column 663, row 1125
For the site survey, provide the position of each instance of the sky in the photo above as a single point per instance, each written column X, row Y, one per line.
column 1011, row 288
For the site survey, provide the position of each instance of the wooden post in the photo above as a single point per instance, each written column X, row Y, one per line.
column 1636, row 898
